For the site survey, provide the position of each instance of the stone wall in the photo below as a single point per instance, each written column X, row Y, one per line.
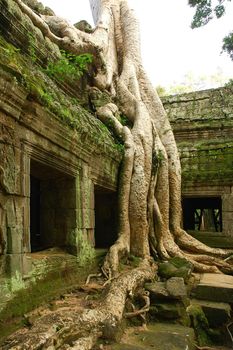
column 203, row 127
column 52, row 154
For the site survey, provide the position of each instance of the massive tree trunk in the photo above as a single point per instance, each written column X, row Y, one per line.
column 150, row 181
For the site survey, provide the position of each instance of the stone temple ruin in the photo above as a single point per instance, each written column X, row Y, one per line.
column 58, row 182
column 59, row 169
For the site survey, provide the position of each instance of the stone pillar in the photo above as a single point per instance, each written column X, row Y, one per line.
column 14, row 206
column 85, row 217
column 227, row 214
column 25, row 186
column 12, row 200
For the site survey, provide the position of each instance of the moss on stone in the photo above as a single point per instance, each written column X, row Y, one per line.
column 48, row 93
column 45, row 288
column 200, row 325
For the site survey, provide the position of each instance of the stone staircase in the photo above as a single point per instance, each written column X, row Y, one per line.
column 214, row 293
column 181, row 318
column 214, row 287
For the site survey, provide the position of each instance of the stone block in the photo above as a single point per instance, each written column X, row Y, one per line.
column 217, row 314
column 214, row 287
column 169, row 310
column 175, row 267
column 15, row 264
column 176, row 288
column 160, row 336
column 84, row 193
column 14, row 241
column 228, row 224
column 227, row 202
column 157, row 290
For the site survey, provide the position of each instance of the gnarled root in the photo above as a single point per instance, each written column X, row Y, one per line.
column 80, row 331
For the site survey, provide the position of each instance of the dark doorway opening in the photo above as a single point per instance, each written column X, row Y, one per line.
column 52, row 207
column 202, row 213
column 105, row 217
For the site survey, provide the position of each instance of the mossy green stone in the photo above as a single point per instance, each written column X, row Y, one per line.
column 175, row 267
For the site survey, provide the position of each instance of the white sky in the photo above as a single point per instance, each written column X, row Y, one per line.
column 170, row 48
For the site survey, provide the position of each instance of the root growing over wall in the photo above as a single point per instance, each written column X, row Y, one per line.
column 150, row 180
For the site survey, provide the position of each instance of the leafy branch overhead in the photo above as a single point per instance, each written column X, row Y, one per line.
column 206, row 10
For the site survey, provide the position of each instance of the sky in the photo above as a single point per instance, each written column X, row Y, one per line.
column 170, row 48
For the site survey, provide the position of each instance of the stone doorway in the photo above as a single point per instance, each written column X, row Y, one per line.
column 105, row 217
column 52, row 207
column 202, row 213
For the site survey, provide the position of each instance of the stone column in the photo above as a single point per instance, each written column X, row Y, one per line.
column 14, row 206
column 227, row 214
column 85, row 217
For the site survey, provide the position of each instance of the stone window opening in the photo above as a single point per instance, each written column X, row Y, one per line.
column 202, row 214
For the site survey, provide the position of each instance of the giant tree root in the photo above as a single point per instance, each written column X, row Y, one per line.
column 71, row 329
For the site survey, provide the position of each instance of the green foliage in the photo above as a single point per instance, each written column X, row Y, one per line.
column 134, row 260
column 69, row 67
column 31, row 47
column 125, row 121
column 9, row 54
column 157, row 158
column 47, row 92
column 161, row 90
column 206, row 10
column 119, row 146
column 229, row 83
column 228, row 44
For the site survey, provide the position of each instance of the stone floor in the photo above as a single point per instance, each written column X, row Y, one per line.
column 159, row 336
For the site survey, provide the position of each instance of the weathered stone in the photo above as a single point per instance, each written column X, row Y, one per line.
column 84, row 26
column 166, row 270
column 159, row 336
column 205, row 147
column 173, row 288
column 214, row 287
column 227, row 203
column 169, row 310
column 199, row 323
column 214, row 239
column 48, row 11
column 99, row 98
column 66, row 162
column 176, row 288
column 175, row 267
column 126, row 347
column 157, row 290
column 216, row 313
